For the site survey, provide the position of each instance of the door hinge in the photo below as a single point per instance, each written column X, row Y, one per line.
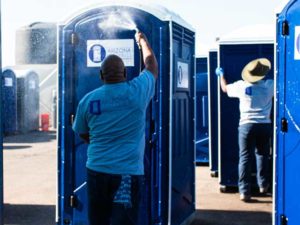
column 74, row 38
column 73, row 201
column 284, row 125
column 285, row 28
column 283, row 220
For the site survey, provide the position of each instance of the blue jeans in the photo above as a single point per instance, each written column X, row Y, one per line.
column 101, row 190
column 254, row 138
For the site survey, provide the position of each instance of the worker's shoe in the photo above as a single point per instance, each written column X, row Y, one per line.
column 245, row 197
column 264, row 190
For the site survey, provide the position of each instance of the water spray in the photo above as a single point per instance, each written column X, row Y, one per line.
column 121, row 21
column 118, row 21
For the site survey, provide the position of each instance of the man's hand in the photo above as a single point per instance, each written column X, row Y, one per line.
column 219, row 72
column 139, row 37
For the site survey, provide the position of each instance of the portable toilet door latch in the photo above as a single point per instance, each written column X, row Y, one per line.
column 73, row 201
column 285, row 28
column 72, row 118
column 74, row 38
column 284, row 125
column 283, row 220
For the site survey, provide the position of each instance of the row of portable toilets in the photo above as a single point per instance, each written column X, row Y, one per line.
column 20, row 101
column 189, row 119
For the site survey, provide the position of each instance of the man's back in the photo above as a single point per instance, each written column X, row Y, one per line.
column 114, row 117
column 255, row 100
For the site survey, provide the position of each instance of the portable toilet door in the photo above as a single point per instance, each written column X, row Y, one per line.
column 9, row 102
column 287, row 157
column 1, row 141
column 201, row 111
column 84, row 41
column 235, row 51
column 27, row 100
column 213, row 87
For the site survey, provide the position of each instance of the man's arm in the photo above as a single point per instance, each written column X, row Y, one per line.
column 85, row 137
column 148, row 54
column 223, row 84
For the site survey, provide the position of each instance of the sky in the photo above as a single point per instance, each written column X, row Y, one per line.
column 210, row 19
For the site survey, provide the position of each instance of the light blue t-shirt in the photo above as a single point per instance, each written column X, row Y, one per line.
column 114, row 116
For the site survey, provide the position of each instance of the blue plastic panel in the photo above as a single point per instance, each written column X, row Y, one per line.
column 183, row 127
column 288, row 103
column 201, row 65
column 76, row 79
column 202, row 138
column 213, row 111
column 233, row 58
column 9, row 102
column 202, row 155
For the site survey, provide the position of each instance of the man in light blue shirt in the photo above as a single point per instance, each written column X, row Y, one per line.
column 256, row 98
column 111, row 119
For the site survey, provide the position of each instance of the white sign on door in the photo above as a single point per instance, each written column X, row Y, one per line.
column 8, row 82
column 297, row 43
column 97, row 50
column 31, row 84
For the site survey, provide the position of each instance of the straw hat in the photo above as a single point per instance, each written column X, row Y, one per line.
column 256, row 70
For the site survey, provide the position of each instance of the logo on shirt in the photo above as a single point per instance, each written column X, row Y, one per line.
column 97, row 53
column 248, row 91
column 95, row 107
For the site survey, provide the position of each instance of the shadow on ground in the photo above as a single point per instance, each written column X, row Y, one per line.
column 16, row 147
column 29, row 214
column 31, row 137
column 219, row 217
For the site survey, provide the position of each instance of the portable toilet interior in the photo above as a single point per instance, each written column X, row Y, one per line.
column 84, row 41
column 9, row 102
column 213, row 87
column 287, row 182
column 27, row 100
column 202, row 155
column 235, row 50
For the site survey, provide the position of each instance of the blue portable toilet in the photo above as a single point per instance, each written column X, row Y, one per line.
column 287, row 179
column 201, row 111
column 9, row 102
column 213, row 87
column 84, row 41
column 27, row 100
column 235, row 51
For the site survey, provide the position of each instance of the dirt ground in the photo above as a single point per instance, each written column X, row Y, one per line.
column 30, row 188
